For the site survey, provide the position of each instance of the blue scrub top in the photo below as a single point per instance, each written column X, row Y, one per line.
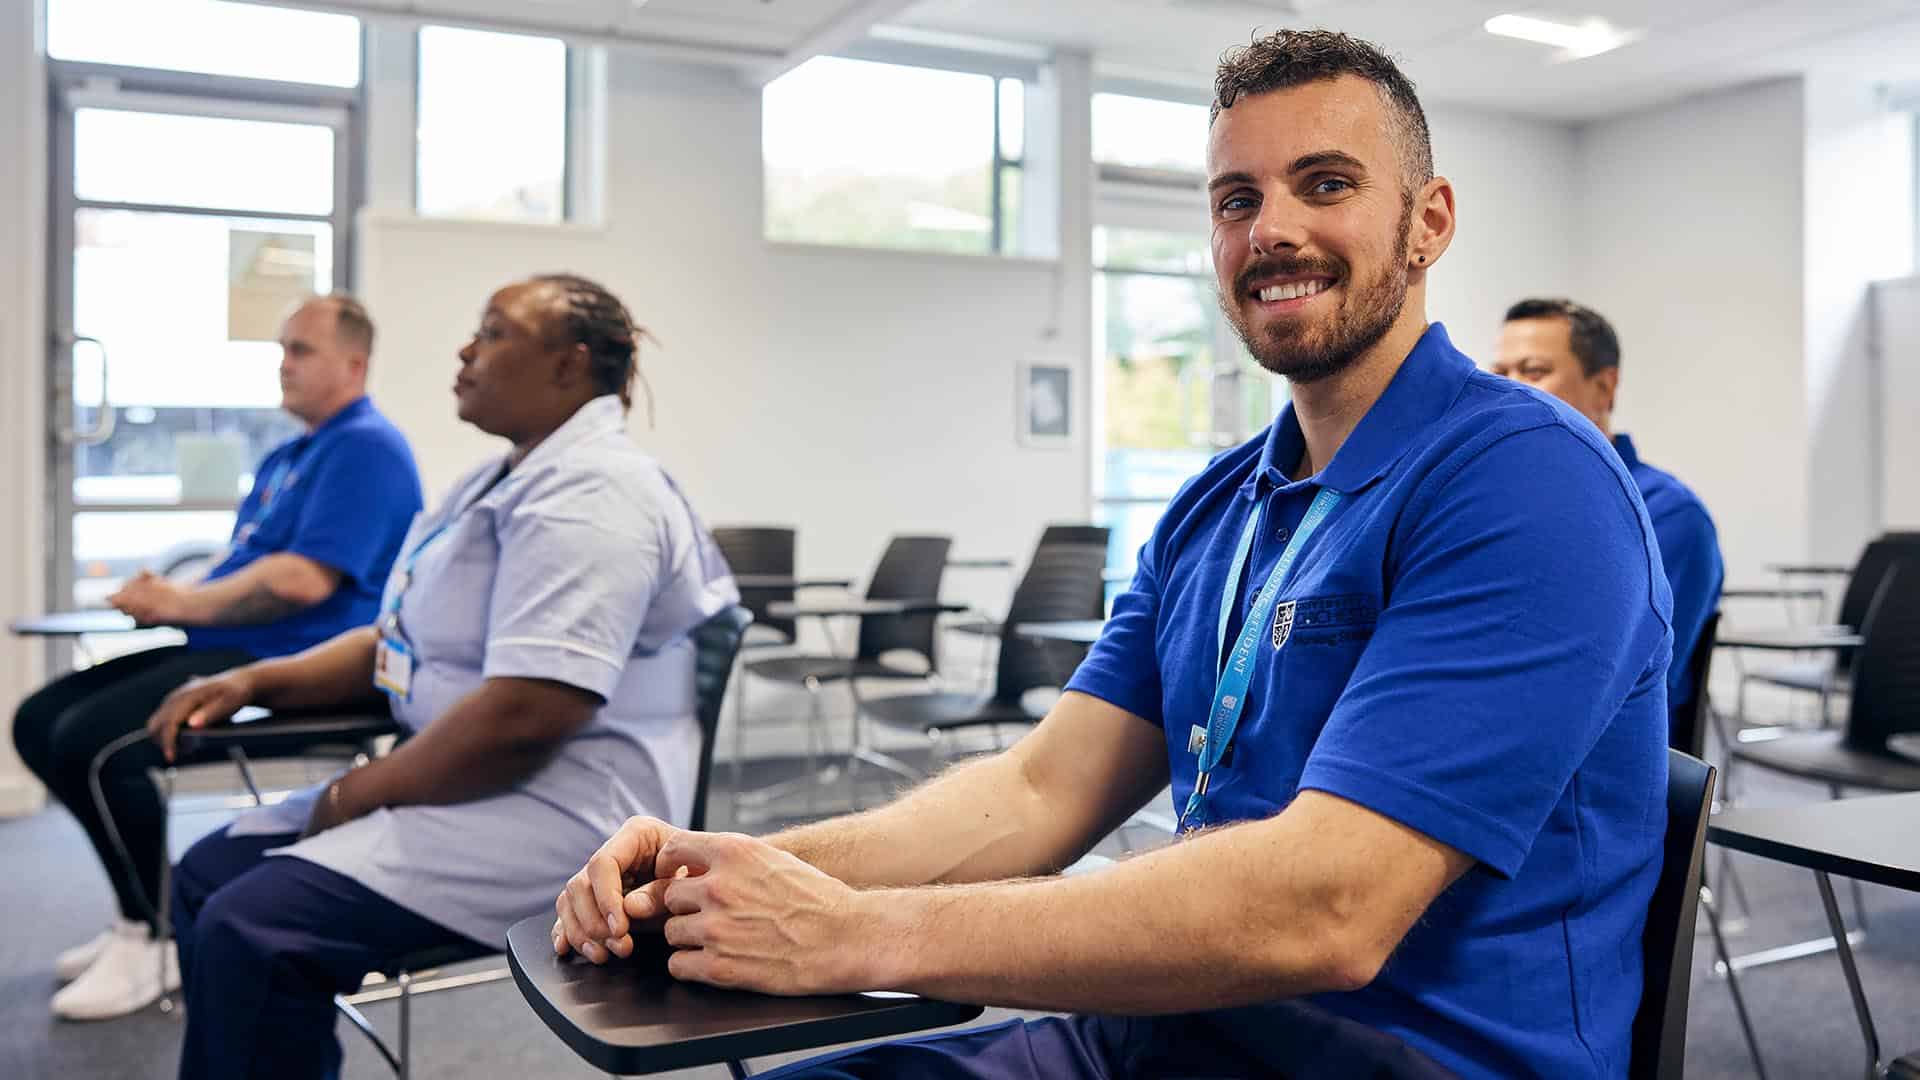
column 1690, row 548
column 342, row 495
column 1477, row 648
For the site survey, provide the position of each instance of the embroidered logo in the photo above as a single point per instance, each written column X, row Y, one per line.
column 1282, row 623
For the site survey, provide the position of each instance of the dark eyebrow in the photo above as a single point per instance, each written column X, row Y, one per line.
column 1226, row 179
column 1323, row 158
column 1316, row 160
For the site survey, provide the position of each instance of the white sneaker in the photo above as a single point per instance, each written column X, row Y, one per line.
column 74, row 962
column 125, row 978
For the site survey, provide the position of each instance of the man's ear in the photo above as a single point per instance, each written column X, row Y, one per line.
column 1609, row 383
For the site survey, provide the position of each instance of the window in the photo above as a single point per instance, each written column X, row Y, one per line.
column 210, row 37
column 888, row 155
column 1148, row 133
column 492, row 126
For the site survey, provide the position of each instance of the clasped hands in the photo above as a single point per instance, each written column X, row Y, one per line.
column 737, row 912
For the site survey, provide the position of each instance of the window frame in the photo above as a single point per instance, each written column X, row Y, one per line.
column 967, row 62
column 575, row 195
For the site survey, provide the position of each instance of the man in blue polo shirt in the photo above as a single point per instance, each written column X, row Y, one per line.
column 311, row 547
column 1571, row 352
column 1421, row 769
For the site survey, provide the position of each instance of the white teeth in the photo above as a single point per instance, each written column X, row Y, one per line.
column 1292, row 290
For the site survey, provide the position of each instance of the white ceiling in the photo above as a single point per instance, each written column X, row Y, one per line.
column 1690, row 45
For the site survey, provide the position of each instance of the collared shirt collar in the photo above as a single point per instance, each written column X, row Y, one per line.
column 601, row 416
column 349, row 412
column 1427, row 383
column 1623, row 445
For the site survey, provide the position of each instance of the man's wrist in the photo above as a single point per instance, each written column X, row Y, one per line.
column 890, row 951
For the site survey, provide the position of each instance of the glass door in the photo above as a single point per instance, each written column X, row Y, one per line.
column 184, row 227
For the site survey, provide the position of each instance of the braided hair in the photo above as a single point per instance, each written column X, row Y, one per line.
column 597, row 319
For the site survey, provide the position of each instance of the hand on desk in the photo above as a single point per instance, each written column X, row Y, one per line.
column 738, row 912
column 150, row 599
column 200, row 703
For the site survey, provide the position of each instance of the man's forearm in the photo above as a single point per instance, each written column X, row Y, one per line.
column 265, row 591
column 980, row 821
column 1212, row 922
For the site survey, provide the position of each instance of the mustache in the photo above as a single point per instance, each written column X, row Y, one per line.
column 1285, row 266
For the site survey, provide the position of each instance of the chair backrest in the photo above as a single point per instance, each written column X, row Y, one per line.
column 910, row 569
column 1886, row 671
column 761, row 549
column 1660, row 1026
column 1687, row 720
column 716, row 643
column 1075, row 534
column 1864, row 583
column 1062, row 582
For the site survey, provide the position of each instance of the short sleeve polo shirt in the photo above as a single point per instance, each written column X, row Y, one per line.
column 1690, row 551
column 1475, row 645
column 342, row 495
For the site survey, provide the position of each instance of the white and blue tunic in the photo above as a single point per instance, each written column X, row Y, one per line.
column 583, row 565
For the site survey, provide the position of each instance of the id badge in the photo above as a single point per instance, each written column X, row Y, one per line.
column 393, row 668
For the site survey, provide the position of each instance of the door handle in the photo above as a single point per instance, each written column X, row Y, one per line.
column 102, row 427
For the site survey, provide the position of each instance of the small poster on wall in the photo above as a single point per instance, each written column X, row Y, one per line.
column 1046, row 404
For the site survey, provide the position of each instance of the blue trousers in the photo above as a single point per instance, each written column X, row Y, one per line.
column 1294, row 1040
column 265, row 943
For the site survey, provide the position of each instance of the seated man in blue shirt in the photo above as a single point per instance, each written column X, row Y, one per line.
column 1420, row 768
column 311, row 546
column 1569, row 351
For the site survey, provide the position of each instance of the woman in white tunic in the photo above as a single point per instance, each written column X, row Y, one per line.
column 533, row 642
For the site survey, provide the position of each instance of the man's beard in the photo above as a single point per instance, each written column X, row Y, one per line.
column 1303, row 352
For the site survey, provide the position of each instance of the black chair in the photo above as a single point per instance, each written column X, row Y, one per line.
column 766, row 551
column 1062, row 582
column 1687, row 720
column 1660, row 1025
column 1053, row 534
column 716, row 644
column 1885, row 703
column 1829, row 673
column 911, row 568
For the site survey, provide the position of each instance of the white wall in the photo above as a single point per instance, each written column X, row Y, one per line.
column 1859, row 228
column 1897, row 339
column 1516, row 190
column 1689, row 238
column 854, row 394
column 23, row 170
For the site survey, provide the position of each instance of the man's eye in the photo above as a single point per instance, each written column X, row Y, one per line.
column 1332, row 185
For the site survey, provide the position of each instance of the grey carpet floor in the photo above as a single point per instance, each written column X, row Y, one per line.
column 53, row 896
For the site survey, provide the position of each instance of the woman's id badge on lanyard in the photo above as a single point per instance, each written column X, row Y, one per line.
column 393, row 666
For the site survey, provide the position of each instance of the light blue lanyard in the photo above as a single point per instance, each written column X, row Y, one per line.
column 390, row 611
column 1236, row 674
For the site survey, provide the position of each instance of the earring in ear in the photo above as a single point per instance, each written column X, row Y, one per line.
column 1422, row 260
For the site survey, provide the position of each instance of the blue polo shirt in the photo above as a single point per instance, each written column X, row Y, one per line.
column 1478, row 649
column 341, row 495
column 1690, row 548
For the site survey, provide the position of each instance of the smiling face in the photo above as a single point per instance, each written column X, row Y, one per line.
column 1313, row 225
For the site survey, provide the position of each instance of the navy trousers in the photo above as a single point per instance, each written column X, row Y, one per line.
column 265, row 943
column 1293, row 1040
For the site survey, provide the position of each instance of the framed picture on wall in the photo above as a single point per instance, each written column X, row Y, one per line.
column 1046, row 404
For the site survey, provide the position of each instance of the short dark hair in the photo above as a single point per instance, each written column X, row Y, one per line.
column 1594, row 343
column 352, row 326
column 1289, row 58
column 597, row 319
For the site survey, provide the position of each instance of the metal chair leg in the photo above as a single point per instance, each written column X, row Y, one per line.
column 1852, row 974
column 1733, row 982
column 738, row 1070
column 405, row 979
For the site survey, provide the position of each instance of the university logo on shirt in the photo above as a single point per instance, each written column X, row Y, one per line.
column 1282, row 623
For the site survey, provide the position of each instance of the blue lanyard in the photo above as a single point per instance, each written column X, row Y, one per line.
column 1236, row 673
column 390, row 611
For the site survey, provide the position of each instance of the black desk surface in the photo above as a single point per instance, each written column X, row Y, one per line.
column 1828, row 569
column 980, row 562
column 71, row 623
column 1792, row 639
column 1076, row 631
column 631, row 1017
column 1871, row 839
